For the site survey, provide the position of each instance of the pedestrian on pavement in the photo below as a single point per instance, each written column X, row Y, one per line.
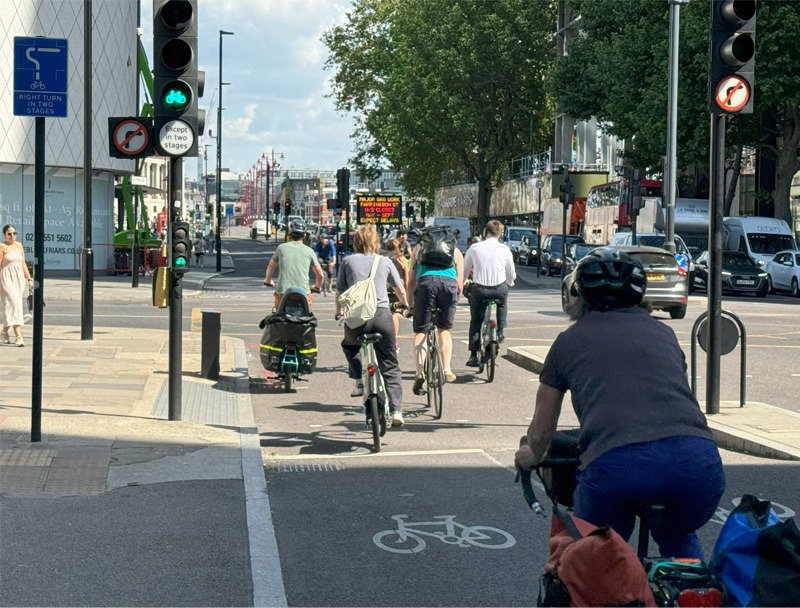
column 210, row 241
column 355, row 268
column 643, row 437
column 293, row 260
column 493, row 272
column 14, row 277
column 199, row 246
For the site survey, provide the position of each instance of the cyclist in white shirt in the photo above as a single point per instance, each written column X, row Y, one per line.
column 493, row 273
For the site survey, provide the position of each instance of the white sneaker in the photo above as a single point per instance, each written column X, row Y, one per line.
column 397, row 419
column 358, row 389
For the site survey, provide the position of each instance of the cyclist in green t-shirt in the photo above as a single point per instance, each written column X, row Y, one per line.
column 293, row 260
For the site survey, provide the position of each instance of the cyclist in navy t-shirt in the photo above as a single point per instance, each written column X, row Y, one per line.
column 326, row 253
column 643, row 438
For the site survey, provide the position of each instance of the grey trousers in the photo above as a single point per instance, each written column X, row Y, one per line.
column 384, row 349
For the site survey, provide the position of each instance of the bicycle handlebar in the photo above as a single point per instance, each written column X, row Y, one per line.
column 523, row 476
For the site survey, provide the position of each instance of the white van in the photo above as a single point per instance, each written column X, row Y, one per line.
column 461, row 224
column 759, row 237
column 261, row 227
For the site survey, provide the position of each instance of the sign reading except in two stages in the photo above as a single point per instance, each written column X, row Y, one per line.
column 732, row 93
column 40, row 76
column 176, row 137
column 379, row 209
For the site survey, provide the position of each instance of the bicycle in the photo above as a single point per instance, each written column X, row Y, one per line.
column 668, row 578
column 409, row 540
column 490, row 346
column 325, row 289
column 376, row 399
column 434, row 368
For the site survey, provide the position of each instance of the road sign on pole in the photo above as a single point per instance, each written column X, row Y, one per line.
column 40, row 77
column 130, row 137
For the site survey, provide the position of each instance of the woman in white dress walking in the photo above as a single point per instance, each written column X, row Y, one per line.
column 13, row 276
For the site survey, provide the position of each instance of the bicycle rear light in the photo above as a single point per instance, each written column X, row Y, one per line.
column 700, row 597
column 371, row 370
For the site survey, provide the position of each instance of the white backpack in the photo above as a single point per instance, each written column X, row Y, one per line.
column 360, row 300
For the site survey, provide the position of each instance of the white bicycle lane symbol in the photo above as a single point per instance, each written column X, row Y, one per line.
column 408, row 536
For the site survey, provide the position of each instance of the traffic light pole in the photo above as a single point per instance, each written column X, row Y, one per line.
column 175, row 393
column 715, row 234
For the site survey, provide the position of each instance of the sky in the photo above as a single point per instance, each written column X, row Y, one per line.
column 276, row 98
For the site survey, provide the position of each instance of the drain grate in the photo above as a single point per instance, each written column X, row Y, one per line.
column 310, row 468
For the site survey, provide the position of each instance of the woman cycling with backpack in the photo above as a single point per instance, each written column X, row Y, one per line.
column 643, row 437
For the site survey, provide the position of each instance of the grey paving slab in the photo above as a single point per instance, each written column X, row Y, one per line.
column 201, row 402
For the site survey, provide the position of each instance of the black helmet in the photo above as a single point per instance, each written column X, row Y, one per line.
column 610, row 278
column 297, row 227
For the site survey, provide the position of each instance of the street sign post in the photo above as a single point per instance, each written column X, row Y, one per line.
column 40, row 77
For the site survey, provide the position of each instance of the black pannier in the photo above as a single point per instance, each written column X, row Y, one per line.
column 293, row 323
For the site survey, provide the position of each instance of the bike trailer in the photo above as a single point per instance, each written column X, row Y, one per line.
column 292, row 323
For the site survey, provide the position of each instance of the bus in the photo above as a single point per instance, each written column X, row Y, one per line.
column 607, row 212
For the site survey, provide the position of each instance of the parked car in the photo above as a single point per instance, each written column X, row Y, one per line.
column 552, row 254
column 528, row 250
column 667, row 283
column 740, row 274
column 783, row 272
column 513, row 236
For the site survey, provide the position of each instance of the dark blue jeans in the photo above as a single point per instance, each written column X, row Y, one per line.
column 682, row 473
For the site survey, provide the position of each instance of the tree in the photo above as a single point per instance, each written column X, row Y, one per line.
column 437, row 85
column 617, row 70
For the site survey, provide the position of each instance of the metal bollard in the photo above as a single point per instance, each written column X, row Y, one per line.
column 209, row 362
column 253, row 233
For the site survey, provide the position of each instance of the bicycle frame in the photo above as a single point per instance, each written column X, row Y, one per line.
column 489, row 328
column 374, row 386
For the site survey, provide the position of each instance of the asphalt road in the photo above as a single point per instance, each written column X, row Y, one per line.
column 335, row 504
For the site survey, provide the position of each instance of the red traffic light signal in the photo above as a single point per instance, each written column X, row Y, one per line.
column 732, row 55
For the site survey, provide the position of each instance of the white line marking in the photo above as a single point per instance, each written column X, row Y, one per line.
column 372, row 455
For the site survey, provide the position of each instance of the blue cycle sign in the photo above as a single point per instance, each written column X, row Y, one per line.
column 40, row 76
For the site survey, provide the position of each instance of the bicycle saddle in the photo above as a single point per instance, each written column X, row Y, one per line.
column 373, row 337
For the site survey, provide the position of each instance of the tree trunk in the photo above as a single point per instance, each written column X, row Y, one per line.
column 787, row 164
column 737, row 171
column 484, row 200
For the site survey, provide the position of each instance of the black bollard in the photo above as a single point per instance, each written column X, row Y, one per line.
column 209, row 362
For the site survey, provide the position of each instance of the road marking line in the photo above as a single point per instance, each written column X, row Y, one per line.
column 371, row 455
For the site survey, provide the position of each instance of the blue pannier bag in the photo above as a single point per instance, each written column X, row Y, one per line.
column 757, row 556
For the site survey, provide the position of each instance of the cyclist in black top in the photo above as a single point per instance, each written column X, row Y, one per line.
column 643, row 438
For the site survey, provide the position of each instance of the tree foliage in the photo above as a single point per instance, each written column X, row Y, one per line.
column 617, row 70
column 437, row 85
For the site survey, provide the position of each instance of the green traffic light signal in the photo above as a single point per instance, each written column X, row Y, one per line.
column 177, row 96
column 180, row 261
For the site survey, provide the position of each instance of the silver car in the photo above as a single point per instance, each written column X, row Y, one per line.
column 667, row 283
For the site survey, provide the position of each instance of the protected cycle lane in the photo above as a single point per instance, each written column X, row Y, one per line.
column 337, row 508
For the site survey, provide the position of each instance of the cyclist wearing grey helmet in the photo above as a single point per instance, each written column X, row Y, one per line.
column 643, row 438
column 293, row 260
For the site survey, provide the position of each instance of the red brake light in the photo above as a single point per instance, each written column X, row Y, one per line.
column 492, row 324
column 681, row 271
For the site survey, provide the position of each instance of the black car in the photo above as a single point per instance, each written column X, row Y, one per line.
column 528, row 250
column 552, row 254
column 740, row 274
column 577, row 251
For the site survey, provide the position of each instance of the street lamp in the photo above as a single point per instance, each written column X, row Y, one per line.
column 272, row 164
column 219, row 156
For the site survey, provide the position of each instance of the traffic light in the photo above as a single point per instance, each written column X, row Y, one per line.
column 180, row 247
column 334, row 204
column 276, row 209
column 178, row 84
column 567, row 196
column 343, row 187
column 287, row 209
column 733, row 53
column 409, row 210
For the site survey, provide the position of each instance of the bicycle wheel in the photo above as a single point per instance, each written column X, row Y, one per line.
column 436, row 382
column 288, row 381
column 390, row 540
column 375, row 423
column 491, row 355
column 486, row 537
